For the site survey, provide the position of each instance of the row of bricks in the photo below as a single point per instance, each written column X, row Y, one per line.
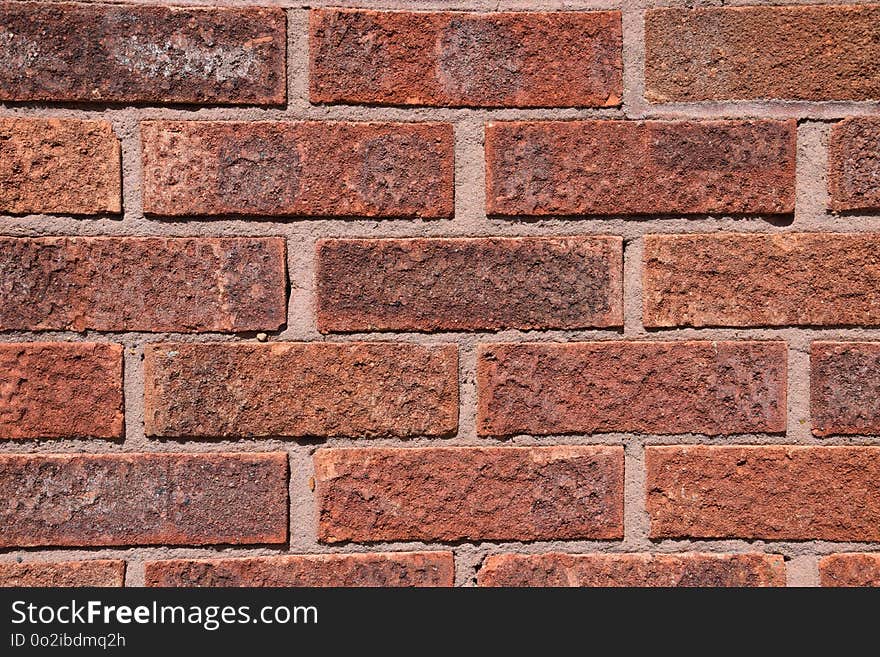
column 106, row 53
column 445, row 494
column 396, row 170
column 438, row 569
column 239, row 285
column 403, row 390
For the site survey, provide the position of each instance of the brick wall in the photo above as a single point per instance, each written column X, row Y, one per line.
column 306, row 296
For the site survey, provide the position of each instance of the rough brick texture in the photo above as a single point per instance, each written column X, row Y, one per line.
column 301, row 389
column 143, row 499
column 376, row 569
column 845, row 388
column 470, row 284
column 854, row 164
column 297, row 168
column 557, row 569
column 646, row 387
column 640, row 167
column 850, row 570
column 105, row 53
column 764, row 492
column 97, row 572
column 60, row 390
column 142, row 284
column 821, row 279
column 451, row 494
column 465, row 59
column 787, row 53
column 59, row 166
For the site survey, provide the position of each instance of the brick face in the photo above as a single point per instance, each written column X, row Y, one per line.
column 640, row 167
column 764, row 492
column 60, row 390
column 143, row 499
column 375, row 569
column 451, row 494
column 97, row 572
column 466, row 59
column 645, row 387
column 142, row 284
column 854, row 164
column 307, row 168
column 850, row 570
column 105, row 53
column 300, row 389
column 788, row 53
column 469, row 284
column 844, row 389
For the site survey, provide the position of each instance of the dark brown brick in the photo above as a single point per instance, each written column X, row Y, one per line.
column 60, row 390
column 646, row 387
column 57, row 166
column 311, row 168
column 819, row 279
column 376, row 569
column 470, row 284
column 124, row 54
column 766, row 492
column 143, row 499
column 353, row 389
column 142, row 284
column 557, row 569
column 96, row 572
column 853, row 569
column 740, row 53
column 451, row 494
column 845, row 388
column 466, row 59
column 854, row 164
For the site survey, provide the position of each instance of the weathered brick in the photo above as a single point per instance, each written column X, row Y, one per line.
column 557, row 569
column 740, row 53
column 58, row 166
column 375, row 569
column 124, row 54
column 853, row 569
column 143, row 499
column 820, row 279
column 854, row 164
column 60, row 390
column 640, row 167
column 466, row 59
column 97, row 572
column 142, row 284
column 767, row 492
column 450, row 494
column 646, row 387
column 318, row 169
column 845, row 388
column 365, row 389
column 470, row 284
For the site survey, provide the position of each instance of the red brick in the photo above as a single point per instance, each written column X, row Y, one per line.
column 353, row 389
column 470, row 284
column 645, row 387
column 818, row 279
column 60, row 390
column 850, row 570
column 105, row 53
column 451, row 494
column 58, row 166
column 376, row 569
column 845, row 388
column 640, row 167
column 63, row 573
column 767, row 492
column 142, row 284
column 466, row 59
column 143, row 499
column 854, row 164
column 557, row 569
column 740, row 53
column 317, row 169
